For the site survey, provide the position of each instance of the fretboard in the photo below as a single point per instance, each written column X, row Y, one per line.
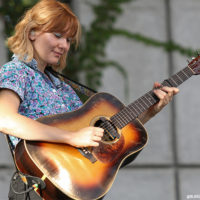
column 133, row 110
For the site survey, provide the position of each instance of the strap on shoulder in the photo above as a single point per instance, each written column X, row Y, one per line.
column 74, row 84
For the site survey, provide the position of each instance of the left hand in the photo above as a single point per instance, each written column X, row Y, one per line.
column 165, row 94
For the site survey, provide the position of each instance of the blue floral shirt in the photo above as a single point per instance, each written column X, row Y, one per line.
column 40, row 94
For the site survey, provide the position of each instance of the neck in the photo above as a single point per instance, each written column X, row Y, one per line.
column 41, row 66
column 40, row 63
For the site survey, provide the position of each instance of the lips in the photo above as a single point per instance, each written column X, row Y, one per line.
column 58, row 54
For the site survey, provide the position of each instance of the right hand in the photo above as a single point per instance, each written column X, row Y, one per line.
column 89, row 136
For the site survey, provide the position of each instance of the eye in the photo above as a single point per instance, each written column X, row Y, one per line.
column 69, row 40
column 58, row 35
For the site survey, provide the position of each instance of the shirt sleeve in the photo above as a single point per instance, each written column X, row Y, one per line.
column 13, row 77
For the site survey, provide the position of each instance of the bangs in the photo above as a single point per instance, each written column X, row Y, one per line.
column 63, row 23
column 45, row 16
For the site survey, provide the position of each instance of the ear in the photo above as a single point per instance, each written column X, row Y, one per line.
column 32, row 35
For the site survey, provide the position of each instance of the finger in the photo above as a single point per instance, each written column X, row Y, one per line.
column 167, row 91
column 100, row 134
column 160, row 94
column 94, row 144
column 96, row 138
column 156, row 85
column 171, row 90
column 98, row 129
column 176, row 90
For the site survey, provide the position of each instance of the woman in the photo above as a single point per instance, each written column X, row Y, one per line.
column 28, row 90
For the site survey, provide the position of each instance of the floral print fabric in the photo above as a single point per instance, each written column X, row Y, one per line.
column 40, row 93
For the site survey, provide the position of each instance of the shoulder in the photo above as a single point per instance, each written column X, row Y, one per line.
column 14, row 67
column 14, row 76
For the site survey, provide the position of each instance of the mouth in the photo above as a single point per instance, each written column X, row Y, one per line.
column 57, row 54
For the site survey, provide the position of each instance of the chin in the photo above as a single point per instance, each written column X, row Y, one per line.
column 56, row 62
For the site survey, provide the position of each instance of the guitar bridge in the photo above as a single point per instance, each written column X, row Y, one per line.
column 87, row 154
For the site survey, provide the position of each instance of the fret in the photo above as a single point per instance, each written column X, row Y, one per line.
column 133, row 110
column 121, row 119
column 179, row 77
column 146, row 101
column 176, row 80
column 148, row 97
column 172, row 82
column 126, row 115
column 152, row 97
column 185, row 75
column 144, row 105
column 190, row 71
column 141, row 104
column 134, row 107
column 166, row 83
column 115, row 120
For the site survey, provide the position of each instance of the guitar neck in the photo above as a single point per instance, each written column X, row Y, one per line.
column 133, row 110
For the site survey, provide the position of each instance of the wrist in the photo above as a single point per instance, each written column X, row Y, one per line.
column 147, row 115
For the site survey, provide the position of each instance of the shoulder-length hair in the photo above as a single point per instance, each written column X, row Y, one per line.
column 45, row 16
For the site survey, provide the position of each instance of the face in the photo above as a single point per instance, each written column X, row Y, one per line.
column 49, row 47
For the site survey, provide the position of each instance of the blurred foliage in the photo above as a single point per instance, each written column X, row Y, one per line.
column 167, row 46
column 12, row 10
column 90, row 59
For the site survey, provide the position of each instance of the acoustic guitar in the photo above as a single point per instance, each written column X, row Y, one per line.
column 88, row 173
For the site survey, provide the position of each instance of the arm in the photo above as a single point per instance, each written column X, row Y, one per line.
column 165, row 94
column 23, row 127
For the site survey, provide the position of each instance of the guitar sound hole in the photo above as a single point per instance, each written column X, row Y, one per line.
column 110, row 131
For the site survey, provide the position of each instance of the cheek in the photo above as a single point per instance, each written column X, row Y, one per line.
column 44, row 46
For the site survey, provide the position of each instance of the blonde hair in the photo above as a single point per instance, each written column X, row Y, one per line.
column 45, row 16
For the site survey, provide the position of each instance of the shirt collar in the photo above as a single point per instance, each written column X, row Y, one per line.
column 33, row 64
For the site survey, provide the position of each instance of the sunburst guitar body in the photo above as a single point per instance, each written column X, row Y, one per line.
column 88, row 173
column 82, row 173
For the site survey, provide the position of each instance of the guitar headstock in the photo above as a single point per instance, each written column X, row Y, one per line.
column 194, row 65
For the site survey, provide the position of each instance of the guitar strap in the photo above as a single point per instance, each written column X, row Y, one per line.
column 82, row 89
